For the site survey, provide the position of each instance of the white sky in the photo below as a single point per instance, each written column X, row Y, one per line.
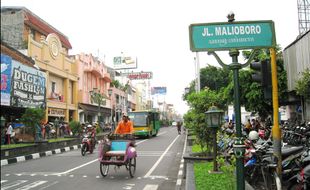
column 156, row 31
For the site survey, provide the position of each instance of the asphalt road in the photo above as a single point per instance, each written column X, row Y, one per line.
column 158, row 164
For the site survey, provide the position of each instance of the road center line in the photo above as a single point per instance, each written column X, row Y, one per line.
column 160, row 158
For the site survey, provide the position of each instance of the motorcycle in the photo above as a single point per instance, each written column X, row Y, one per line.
column 87, row 144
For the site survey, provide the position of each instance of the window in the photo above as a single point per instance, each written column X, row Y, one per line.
column 53, row 87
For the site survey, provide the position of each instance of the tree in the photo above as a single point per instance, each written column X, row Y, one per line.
column 303, row 84
column 32, row 118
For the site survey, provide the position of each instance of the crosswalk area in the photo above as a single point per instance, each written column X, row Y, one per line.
column 43, row 184
column 26, row 184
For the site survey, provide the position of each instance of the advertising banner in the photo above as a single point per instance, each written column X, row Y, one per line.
column 6, row 63
column 139, row 75
column 124, row 62
column 159, row 90
column 28, row 86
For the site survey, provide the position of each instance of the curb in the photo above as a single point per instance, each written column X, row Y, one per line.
column 38, row 155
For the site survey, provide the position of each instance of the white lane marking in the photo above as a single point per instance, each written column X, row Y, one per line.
column 13, row 184
column 31, row 185
column 3, row 181
column 150, row 187
column 160, row 158
column 49, row 185
column 78, row 167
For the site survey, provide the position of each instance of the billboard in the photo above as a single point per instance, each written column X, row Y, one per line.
column 28, row 86
column 124, row 62
column 159, row 90
column 21, row 85
column 139, row 75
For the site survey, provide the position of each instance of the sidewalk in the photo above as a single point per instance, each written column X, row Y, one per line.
column 38, row 155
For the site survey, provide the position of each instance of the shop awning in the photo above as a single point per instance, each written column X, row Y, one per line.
column 93, row 109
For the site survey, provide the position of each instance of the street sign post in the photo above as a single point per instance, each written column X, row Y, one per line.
column 233, row 35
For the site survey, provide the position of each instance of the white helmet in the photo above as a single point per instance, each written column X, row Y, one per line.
column 253, row 135
column 89, row 126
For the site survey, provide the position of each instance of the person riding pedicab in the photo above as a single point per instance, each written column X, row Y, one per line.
column 125, row 126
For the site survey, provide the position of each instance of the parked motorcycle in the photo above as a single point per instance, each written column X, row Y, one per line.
column 87, row 144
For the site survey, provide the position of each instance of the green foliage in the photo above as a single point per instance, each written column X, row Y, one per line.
column 75, row 127
column 303, row 84
column 33, row 117
column 205, row 180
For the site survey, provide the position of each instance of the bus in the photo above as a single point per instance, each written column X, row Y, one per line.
column 146, row 123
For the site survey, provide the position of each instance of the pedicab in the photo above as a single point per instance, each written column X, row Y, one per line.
column 117, row 150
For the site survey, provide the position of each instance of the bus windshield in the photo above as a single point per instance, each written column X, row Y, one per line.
column 138, row 119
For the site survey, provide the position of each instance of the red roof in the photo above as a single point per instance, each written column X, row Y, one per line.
column 43, row 27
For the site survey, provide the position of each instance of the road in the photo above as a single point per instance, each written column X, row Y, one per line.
column 158, row 164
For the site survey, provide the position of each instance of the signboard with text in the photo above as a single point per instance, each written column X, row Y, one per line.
column 139, row 75
column 28, row 86
column 235, row 35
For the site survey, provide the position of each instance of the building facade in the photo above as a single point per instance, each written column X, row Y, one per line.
column 94, row 82
column 296, row 60
column 25, row 31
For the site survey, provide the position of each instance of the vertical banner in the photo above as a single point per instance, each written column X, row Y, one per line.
column 6, row 63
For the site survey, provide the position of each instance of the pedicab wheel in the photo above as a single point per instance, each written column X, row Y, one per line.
column 104, row 169
column 132, row 166
column 83, row 149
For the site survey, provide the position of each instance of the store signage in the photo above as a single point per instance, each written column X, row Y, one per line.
column 28, row 86
column 225, row 36
column 56, row 112
column 139, row 75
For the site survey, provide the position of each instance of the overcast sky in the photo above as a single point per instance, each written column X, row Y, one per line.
column 156, row 31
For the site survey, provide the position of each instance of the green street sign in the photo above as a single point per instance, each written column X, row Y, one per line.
column 234, row 35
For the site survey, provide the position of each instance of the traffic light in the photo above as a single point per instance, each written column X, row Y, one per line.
column 262, row 75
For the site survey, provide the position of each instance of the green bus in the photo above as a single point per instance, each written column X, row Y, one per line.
column 146, row 123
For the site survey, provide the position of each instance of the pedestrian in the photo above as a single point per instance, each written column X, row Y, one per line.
column 248, row 126
column 179, row 125
column 43, row 129
column 9, row 133
column 47, row 130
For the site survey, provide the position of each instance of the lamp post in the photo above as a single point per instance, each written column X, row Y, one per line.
column 214, row 121
column 110, row 91
column 239, row 146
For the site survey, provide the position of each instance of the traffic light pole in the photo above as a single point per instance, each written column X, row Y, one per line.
column 276, row 131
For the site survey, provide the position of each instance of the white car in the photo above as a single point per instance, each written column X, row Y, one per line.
column 174, row 123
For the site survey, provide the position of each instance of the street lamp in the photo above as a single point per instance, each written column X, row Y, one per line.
column 214, row 120
column 110, row 91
